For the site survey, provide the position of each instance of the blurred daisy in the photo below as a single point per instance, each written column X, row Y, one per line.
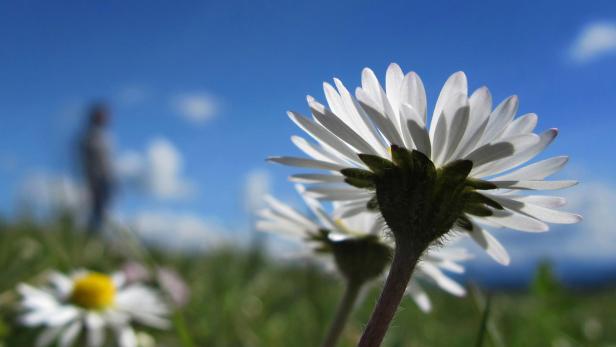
column 355, row 246
column 92, row 303
column 466, row 138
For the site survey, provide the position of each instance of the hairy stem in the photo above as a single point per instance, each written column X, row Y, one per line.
column 342, row 314
column 399, row 275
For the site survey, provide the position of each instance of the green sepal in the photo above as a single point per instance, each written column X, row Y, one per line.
column 464, row 223
column 474, row 197
column 360, row 183
column 458, row 170
column 402, row 156
column 478, row 210
column 480, row 184
column 373, row 204
column 358, row 173
column 377, row 164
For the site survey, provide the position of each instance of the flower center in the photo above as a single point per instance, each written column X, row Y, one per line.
column 359, row 259
column 94, row 291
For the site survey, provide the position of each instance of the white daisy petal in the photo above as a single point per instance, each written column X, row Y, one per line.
column 48, row 336
column 307, row 163
column 456, row 84
column 323, row 136
column 419, row 296
column 316, row 178
column 480, row 103
column 487, row 154
column 413, row 94
column 491, row 245
column 535, row 185
column 517, row 221
column 500, row 118
column 69, row 336
column 536, row 211
column 536, row 171
column 126, row 337
column 95, row 326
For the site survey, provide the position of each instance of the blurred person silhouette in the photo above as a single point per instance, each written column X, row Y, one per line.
column 95, row 152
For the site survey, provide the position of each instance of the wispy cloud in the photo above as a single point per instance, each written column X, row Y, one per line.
column 158, row 170
column 44, row 192
column 197, row 108
column 595, row 40
column 257, row 184
column 179, row 230
column 592, row 240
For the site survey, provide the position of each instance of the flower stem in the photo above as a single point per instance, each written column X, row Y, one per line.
column 342, row 314
column 400, row 273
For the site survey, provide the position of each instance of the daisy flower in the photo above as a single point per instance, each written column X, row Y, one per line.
column 344, row 244
column 352, row 131
column 356, row 248
column 91, row 303
column 461, row 171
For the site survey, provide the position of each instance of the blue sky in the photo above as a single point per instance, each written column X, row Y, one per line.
column 210, row 82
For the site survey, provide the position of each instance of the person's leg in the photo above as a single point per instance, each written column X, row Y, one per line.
column 97, row 209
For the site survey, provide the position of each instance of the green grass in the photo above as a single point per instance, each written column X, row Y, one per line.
column 242, row 298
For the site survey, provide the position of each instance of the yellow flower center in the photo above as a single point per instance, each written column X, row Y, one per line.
column 94, row 291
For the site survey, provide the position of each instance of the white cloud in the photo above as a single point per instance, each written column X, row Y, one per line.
column 183, row 230
column 196, row 108
column 592, row 240
column 596, row 39
column 256, row 185
column 158, row 171
column 595, row 236
column 44, row 193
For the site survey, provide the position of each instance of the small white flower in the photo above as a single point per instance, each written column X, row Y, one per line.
column 462, row 127
column 284, row 220
column 91, row 302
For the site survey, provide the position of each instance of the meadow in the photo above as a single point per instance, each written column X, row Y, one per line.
column 242, row 297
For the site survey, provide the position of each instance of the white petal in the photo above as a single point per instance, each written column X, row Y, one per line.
column 340, row 129
column 495, row 151
column 413, row 93
column 420, row 135
column 324, row 136
column 536, row 211
column 541, row 200
column 316, row 178
column 522, row 125
column 491, row 245
column 517, row 221
column 444, row 282
column 385, row 125
column 361, row 121
column 535, row 185
column 500, row 118
column 307, row 163
column 48, row 336
column 376, row 96
column 315, row 152
column 393, row 84
column 419, row 296
column 455, row 84
column 480, row 103
column 536, row 171
column 456, row 131
column 70, row 334
column 126, row 337
column 523, row 153
column 95, row 326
